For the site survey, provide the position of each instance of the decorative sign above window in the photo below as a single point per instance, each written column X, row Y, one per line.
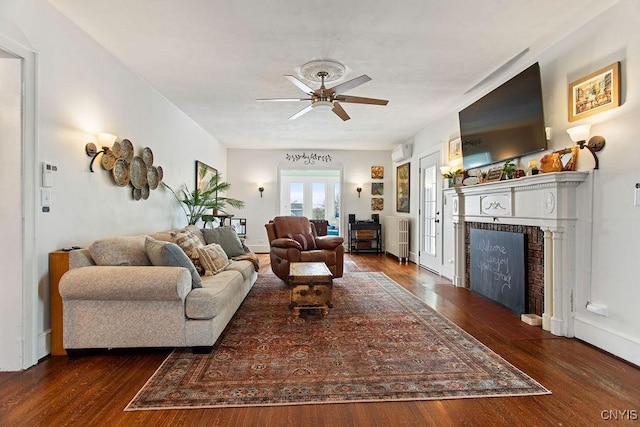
column 309, row 159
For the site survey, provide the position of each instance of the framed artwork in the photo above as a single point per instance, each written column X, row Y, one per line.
column 377, row 188
column 595, row 93
column 458, row 179
column 495, row 174
column 204, row 173
column 377, row 172
column 377, row 203
column 403, row 187
column 455, row 149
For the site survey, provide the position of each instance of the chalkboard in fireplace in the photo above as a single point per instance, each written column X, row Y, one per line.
column 497, row 267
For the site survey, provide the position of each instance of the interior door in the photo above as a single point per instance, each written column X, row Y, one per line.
column 430, row 252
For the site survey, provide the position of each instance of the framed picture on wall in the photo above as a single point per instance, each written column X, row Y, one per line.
column 595, row 93
column 455, row 149
column 403, row 187
column 377, row 172
column 377, row 188
column 204, row 173
column 377, row 203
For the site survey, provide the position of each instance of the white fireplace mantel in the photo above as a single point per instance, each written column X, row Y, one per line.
column 548, row 201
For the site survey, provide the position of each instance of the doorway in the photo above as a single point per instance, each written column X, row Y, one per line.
column 313, row 193
column 430, row 252
column 19, row 304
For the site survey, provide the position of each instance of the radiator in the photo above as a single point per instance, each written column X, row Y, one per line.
column 396, row 237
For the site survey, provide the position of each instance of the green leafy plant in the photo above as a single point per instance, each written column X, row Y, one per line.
column 196, row 203
column 451, row 174
column 509, row 169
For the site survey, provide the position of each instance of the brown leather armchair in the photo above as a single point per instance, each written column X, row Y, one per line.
column 294, row 239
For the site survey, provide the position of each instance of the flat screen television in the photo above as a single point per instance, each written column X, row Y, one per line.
column 506, row 123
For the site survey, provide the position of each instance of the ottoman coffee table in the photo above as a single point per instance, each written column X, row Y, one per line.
column 311, row 284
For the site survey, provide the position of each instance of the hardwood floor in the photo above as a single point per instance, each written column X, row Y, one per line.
column 589, row 386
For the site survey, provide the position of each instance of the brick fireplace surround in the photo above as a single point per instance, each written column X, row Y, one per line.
column 534, row 259
column 544, row 207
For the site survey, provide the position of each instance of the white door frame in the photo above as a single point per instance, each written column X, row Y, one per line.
column 437, row 267
column 28, row 306
column 337, row 167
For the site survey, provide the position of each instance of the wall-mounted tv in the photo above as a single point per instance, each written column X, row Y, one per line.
column 506, row 123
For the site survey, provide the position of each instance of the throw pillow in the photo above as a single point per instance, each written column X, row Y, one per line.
column 227, row 238
column 169, row 254
column 189, row 243
column 213, row 258
column 307, row 241
column 198, row 232
column 120, row 250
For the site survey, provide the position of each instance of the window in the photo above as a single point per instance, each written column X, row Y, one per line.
column 311, row 193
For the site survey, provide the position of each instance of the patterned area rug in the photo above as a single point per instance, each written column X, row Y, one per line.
column 378, row 343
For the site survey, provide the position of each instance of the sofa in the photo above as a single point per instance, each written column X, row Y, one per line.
column 146, row 291
column 294, row 239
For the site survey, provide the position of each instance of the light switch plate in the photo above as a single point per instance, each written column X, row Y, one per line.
column 636, row 198
column 45, row 198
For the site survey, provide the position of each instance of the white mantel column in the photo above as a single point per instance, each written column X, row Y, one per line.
column 459, row 242
column 547, row 312
column 558, row 314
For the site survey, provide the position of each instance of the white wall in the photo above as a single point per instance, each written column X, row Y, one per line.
column 612, row 268
column 248, row 168
column 616, row 230
column 82, row 90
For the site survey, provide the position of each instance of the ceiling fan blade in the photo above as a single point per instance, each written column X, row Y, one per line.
column 348, row 85
column 337, row 108
column 303, row 87
column 361, row 100
column 285, row 99
column 305, row 110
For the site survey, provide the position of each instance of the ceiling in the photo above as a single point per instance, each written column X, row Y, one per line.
column 214, row 58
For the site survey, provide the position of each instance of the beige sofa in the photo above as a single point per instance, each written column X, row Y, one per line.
column 132, row 303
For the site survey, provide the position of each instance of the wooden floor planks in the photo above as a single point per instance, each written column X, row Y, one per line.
column 585, row 381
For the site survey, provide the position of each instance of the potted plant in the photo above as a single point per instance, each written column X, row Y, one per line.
column 449, row 176
column 509, row 169
column 196, row 203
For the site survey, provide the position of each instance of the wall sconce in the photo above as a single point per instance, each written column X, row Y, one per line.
column 359, row 190
column 580, row 134
column 260, row 189
column 105, row 140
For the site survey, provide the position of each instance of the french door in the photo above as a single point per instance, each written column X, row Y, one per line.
column 314, row 194
column 430, row 252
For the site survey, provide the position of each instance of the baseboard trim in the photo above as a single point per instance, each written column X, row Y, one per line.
column 44, row 343
column 259, row 249
column 621, row 345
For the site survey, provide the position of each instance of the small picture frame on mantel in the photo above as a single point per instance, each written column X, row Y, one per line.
column 458, row 179
column 494, row 174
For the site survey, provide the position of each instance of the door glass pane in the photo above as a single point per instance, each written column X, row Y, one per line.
column 296, row 198
column 319, row 200
column 336, row 208
column 430, row 210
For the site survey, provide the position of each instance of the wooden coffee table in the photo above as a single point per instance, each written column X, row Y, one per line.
column 311, row 284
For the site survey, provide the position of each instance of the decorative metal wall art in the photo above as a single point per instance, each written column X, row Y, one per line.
column 128, row 169
column 309, row 159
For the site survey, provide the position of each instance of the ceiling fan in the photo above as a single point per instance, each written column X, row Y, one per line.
column 325, row 99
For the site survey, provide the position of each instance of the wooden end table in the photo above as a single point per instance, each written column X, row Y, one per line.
column 311, row 284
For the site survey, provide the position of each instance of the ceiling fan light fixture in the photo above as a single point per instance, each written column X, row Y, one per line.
column 322, row 106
